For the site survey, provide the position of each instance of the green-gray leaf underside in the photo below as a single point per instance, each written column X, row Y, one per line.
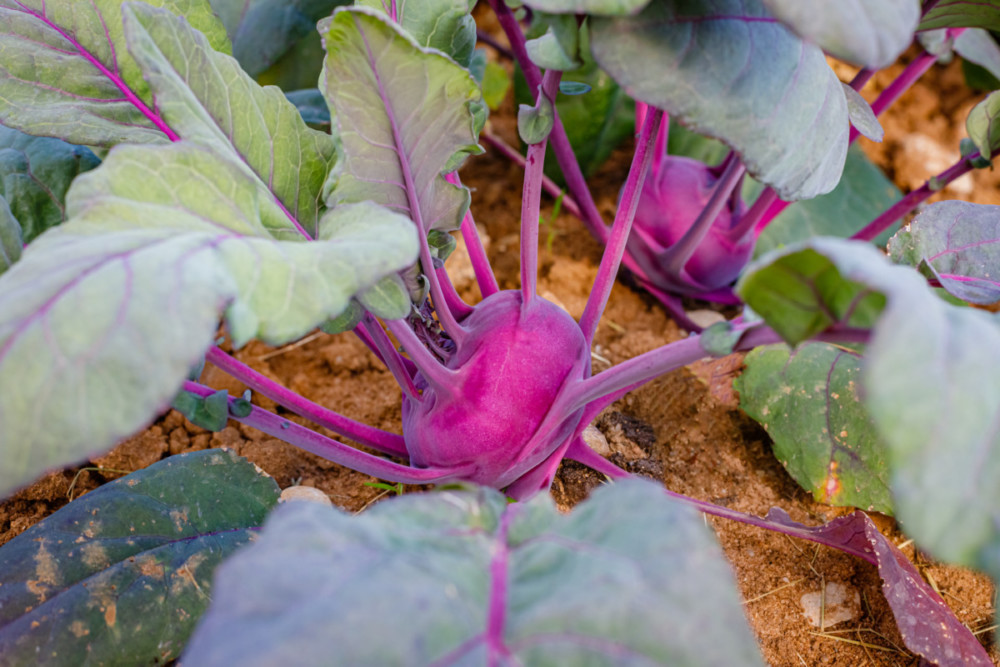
column 597, row 587
column 10, row 237
column 35, row 173
column 958, row 244
column 862, row 193
column 978, row 47
column 66, row 71
column 206, row 97
column 403, row 115
column 122, row 575
column 262, row 31
column 445, row 25
column 929, row 383
column 727, row 69
column 963, row 14
column 869, row 33
column 983, row 124
column 808, row 401
column 103, row 316
column 595, row 7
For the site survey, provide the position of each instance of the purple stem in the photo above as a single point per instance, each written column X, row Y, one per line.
column 575, row 182
column 678, row 254
column 390, row 356
column 615, row 247
column 383, row 441
column 436, row 375
column 588, row 457
column 548, row 184
column 330, row 449
column 531, row 199
column 491, row 42
column 916, row 197
column 477, row 255
column 453, row 301
column 497, row 612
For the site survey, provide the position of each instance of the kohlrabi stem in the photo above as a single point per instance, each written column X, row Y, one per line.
column 862, row 78
column 430, row 367
column 330, row 449
column 548, row 184
column 393, row 14
column 493, row 43
column 677, row 255
column 477, row 255
column 383, row 441
column 559, row 141
column 581, row 453
column 615, row 247
column 531, row 199
column 756, row 213
column 496, row 614
column 390, row 356
column 916, row 69
column 916, row 197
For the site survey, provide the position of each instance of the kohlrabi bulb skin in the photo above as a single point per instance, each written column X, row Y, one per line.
column 671, row 199
column 508, row 373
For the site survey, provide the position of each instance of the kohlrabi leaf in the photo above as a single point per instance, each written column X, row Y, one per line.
column 870, row 33
column 807, row 400
column 554, row 41
column 932, row 388
column 928, row 626
column 863, row 193
column 862, row 116
column 312, row 106
column 405, row 116
column 978, row 47
column 983, row 126
column 35, row 173
column 728, row 70
column 962, row 14
column 463, row 577
column 595, row 7
column 11, row 242
column 66, row 71
column 264, row 30
column 122, row 575
column 205, row 97
column 103, row 316
column 445, row 25
column 495, row 84
column 209, row 412
column 956, row 243
column 810, row 286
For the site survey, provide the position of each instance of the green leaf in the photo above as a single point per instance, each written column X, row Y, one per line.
column 956, row 243
column 809, row 286
column 66, row 71
column 35, row 173
column 312, row 107
column 496, row 83
column 103, row 316
column 210, row 412
column 595, row 7
column 346, row 321
column 720, row 339
column 554, row 41
column 390, row 96
column 725, row 70
column 962, row 14
column 932, row 388
column 863, row 193
column 207, row 98
column 807, row 400
column 11, row 241
column 122, row 575
column 870, row 33
column 463, row 577
column 262, row 31
column 445, row 25
column 388, row 298
column 534, row 123
column 982, row 125
column 862, row 117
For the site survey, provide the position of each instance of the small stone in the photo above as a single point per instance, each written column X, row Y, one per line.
column 705, row 317
column 307, row 494
column 840, row 605
column 596, row 440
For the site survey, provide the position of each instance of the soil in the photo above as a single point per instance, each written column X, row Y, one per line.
column 684, row 430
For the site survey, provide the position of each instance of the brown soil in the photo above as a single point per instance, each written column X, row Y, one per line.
column 683, row 429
